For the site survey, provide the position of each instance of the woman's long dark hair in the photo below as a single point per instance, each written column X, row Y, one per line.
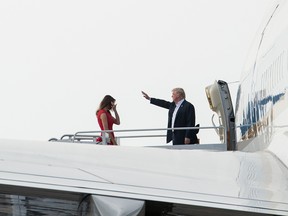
column 106, row 102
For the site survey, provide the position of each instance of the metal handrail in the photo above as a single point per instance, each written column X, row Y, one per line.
column 104, row 139
column 91, row 136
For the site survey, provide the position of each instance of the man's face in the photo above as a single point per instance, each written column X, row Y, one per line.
column 175, row 96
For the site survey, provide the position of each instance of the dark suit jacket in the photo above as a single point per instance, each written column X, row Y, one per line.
column 185, row 117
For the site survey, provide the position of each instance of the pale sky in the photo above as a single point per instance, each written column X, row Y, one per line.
column 59, row 58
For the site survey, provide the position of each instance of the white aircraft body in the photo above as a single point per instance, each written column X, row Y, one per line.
column 250, row 177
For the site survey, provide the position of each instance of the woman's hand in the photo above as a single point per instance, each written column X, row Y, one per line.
column 114, row 108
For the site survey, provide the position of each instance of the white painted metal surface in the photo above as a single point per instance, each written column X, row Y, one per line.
column 230, row 180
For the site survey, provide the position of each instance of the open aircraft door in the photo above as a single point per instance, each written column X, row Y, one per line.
column 219, row 99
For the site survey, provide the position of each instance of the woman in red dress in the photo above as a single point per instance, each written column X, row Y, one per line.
column 105, row 118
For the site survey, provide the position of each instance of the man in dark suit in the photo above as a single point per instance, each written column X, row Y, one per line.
column 181, row 114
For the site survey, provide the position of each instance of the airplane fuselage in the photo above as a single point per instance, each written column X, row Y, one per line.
column 261, row 107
